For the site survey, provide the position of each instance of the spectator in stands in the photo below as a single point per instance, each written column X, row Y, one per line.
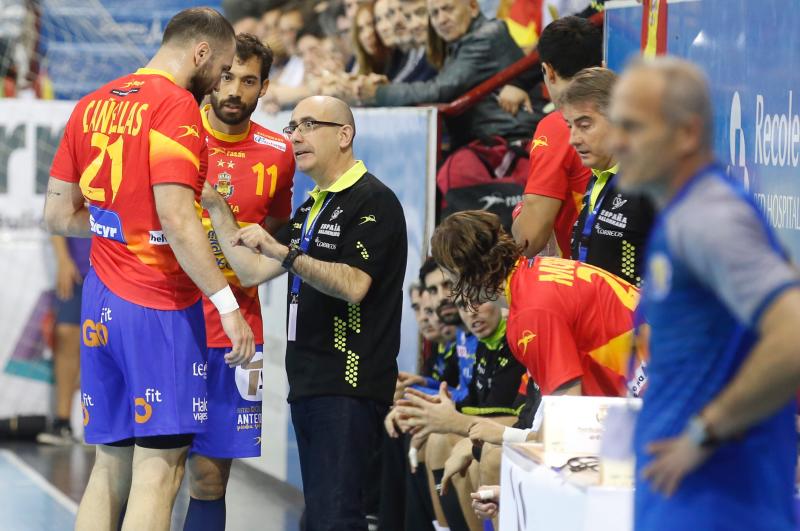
column 296, row 18
column 246, row 25
column 293, row 19
column 411, row 22
column 477, row 49
column 72, row 265
column 372, row 56
column 12, row 16
column 384, row 23
column 268, row 31
column 613, row 225
column 235, row 10
column 557, row 179
column 722, row 299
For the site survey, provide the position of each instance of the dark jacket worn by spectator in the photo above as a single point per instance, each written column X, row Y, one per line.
column 484, row 50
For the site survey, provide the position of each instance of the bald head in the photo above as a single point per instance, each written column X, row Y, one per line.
column 682, row 89
column 328, row 109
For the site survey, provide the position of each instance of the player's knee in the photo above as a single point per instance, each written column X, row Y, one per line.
column 438, row 450
column 159, row 461
column 489, row 467
column 208, row 477
column 112, row 467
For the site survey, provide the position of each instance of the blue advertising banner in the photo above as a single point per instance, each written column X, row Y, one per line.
column 750, row 52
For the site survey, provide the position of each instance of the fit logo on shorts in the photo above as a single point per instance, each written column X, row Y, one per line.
column 143, row 407
column 94, row 334
column 86, row 402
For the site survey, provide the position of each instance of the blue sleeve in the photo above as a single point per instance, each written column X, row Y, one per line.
column 728, row 245
column 426, row 389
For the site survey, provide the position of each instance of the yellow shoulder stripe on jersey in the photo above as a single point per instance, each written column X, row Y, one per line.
column 163, row 148
column 219, row 135
column 155, row 72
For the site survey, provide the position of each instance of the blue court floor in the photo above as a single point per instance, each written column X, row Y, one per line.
column 40, row 488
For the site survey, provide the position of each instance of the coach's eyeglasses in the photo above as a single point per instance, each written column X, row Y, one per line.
column 306, row 126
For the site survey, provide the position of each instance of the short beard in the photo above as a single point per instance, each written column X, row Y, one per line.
column 242, row 116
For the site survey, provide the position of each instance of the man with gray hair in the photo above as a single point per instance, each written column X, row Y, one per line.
column 724, row 307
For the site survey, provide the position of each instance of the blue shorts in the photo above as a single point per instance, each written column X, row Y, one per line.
column 69, row 311
column 234, row 408
column 138, row 367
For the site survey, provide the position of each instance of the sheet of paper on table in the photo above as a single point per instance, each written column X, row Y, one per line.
column 573, row 425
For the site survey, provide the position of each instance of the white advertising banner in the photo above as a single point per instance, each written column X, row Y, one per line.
column 29, row 132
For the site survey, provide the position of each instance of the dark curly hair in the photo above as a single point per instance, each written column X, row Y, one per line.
column 474, row 246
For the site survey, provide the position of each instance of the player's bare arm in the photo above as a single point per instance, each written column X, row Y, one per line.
column 337, row 280
column 65, row 212
column 185, row 234
column 251, row 268
column 534, row 225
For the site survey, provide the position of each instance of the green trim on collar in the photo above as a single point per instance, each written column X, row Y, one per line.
column 495, row 340
column 601, row 177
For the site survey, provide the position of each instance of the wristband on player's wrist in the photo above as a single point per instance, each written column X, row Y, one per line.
column 224, row 300
column 515, row 435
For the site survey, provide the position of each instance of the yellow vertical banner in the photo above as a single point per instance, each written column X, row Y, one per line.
column 654, row 28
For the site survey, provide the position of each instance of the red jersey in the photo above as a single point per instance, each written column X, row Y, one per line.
column 254, row 171
column 120, row 141
column 557, row 172
column 571, row 320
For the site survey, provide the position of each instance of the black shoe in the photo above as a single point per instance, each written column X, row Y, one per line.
column 56, row 436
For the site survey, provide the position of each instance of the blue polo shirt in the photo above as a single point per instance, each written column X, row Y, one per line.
column 713, row 267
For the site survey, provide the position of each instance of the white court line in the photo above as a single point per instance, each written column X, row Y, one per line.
column 40, row 481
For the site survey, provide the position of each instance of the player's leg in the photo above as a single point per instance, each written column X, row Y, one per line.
column 233, row 430
column 462, row 487
column 438, row 451
column 107, row 419
column 438, row 513
column 66, row 367
column 158, row 466
column 489, row 468
column 107, row 489
column 168, row 403
column 335, row 457
column 208, row 481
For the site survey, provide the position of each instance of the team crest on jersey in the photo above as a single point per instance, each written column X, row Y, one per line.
column 336, row 213
column 224, row 186
column 659, row 278
column 618, row 202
